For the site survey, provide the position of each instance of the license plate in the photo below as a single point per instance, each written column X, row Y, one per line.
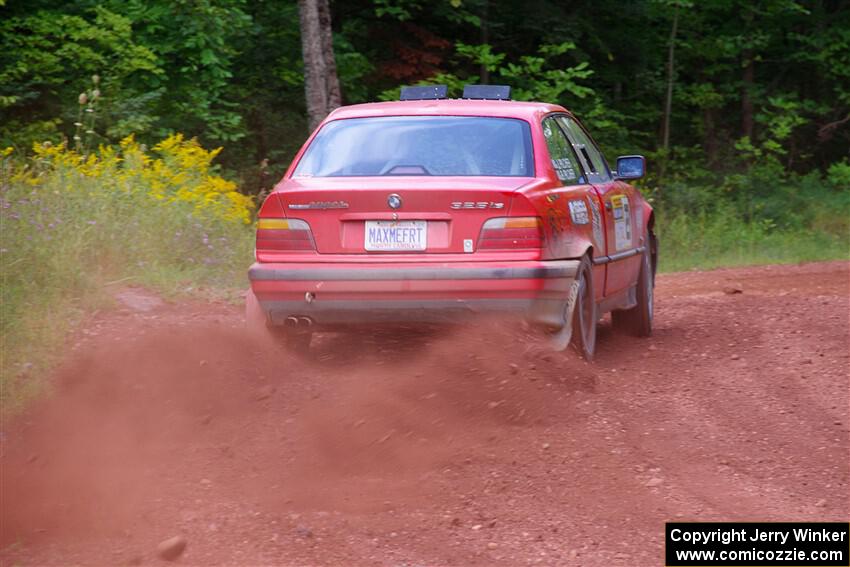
column 396, row 236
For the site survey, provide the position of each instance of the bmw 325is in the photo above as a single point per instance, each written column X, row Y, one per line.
column 429, row 209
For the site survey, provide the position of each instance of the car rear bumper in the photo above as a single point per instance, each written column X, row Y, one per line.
column 345, row 294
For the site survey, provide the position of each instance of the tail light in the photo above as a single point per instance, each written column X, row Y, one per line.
column 511, row 233
column 284, row 234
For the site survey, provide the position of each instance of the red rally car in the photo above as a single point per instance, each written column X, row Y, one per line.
column 429, row 209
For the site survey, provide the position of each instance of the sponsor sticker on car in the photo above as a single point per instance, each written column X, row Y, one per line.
column 578, row 211
column 622, row 222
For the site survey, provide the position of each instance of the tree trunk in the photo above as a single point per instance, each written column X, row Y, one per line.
column 709, row 135
column 747, row 78
column 747, row 83
column 668, row 103
column 321, row 84
column 331, row 78
column 485, row 40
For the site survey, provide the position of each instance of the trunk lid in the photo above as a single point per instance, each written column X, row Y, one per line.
column 339, row 210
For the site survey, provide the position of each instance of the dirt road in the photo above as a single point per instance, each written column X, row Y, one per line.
column 473, row 448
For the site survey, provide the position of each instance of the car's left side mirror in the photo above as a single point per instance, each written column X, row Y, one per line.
column 631, row 167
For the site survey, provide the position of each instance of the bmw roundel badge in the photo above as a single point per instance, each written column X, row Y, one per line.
column 394, row 201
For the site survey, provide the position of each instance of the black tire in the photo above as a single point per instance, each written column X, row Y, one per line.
column 584, row 314
column 637, row 321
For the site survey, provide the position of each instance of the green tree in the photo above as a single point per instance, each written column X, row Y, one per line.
column 47, row 58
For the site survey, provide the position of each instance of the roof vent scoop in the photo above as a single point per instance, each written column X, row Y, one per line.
column 424, row 92
column 487, row 92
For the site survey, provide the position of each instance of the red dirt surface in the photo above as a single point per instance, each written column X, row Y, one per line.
column 472, row 447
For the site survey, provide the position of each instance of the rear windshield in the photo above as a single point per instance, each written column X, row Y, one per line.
column 420, row 145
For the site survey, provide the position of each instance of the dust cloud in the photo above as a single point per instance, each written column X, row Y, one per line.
column 138, row 422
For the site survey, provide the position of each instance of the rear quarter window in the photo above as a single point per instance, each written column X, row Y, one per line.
column 561, row 154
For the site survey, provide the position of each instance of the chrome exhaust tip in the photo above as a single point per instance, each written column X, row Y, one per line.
column 305, row 322
column 291, row 321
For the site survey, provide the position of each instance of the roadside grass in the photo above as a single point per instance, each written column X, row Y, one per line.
column 74, row 227
column 708, row 241
column 762, row 214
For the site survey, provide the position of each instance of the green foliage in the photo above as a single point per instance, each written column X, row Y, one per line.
column 722, row 238
column 537, row 79
column 532, row 77
column 352, row 67
column 192, row 40
column 400, row 10
column 230, row 71
column 755, row 217
column 40, row 51
column 482, row 55
column 838, row 175
column 166, row 66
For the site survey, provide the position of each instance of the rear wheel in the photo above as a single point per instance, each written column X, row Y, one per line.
column 584, row 313
column 637, row 321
